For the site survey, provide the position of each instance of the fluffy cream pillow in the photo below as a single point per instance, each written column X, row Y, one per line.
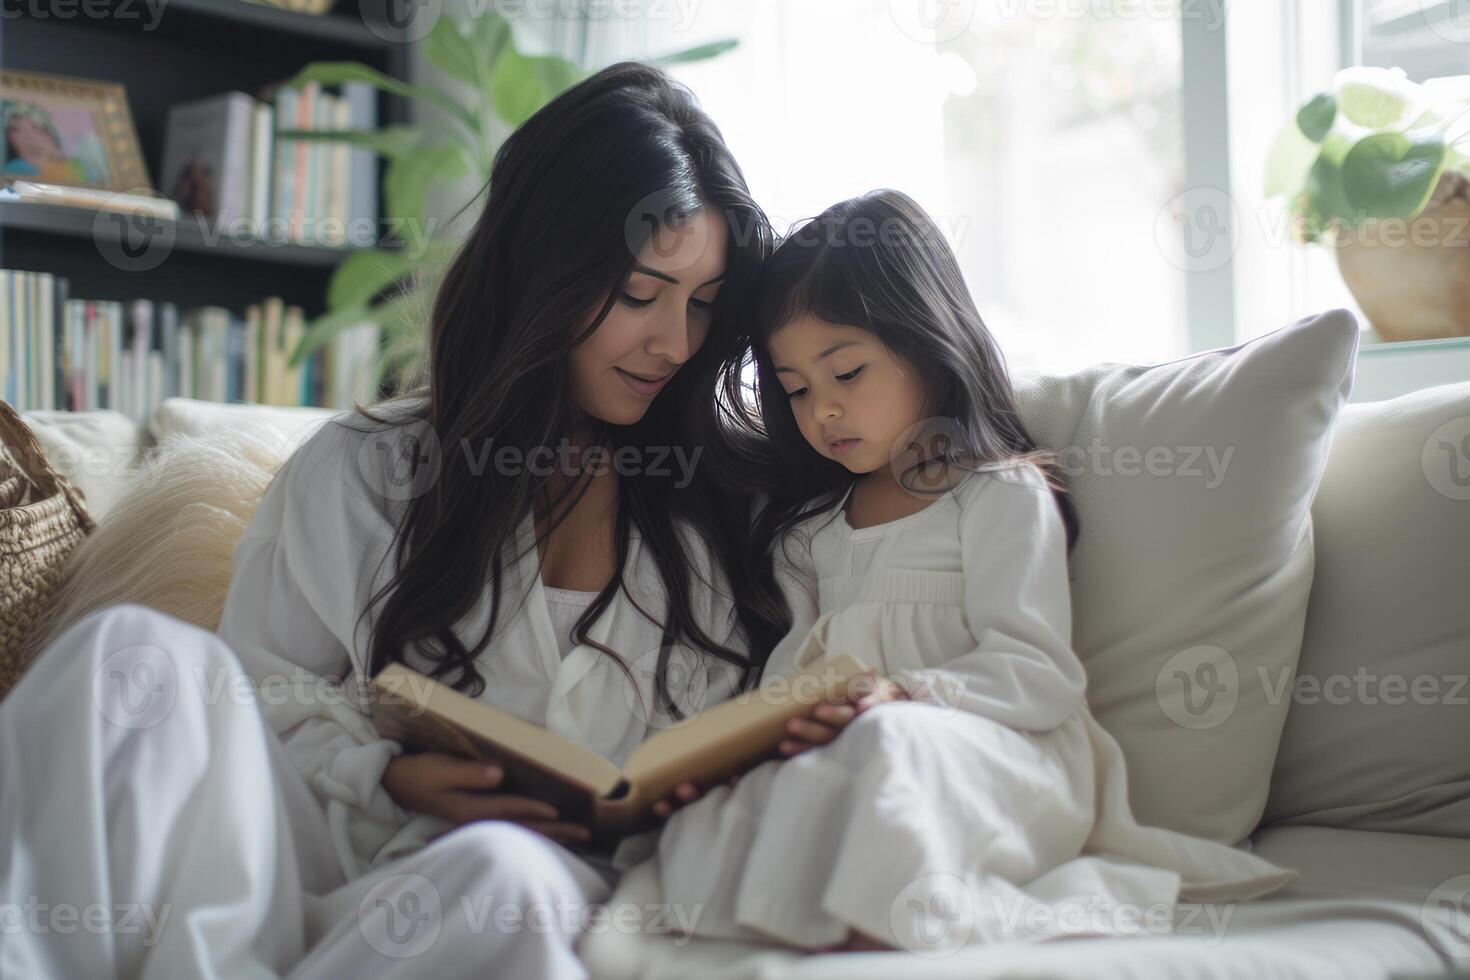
column 168, row 539
column 1377, row 734
column 1193, row 481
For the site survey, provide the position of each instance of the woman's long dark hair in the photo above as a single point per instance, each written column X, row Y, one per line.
column 554, row 243
column 879, row 262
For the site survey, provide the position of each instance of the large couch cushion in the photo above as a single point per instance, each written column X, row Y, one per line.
column 1193, row 481
column 1378, row 733
column 97, row 451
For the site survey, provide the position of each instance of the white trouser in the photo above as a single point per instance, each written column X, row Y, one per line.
column 151, row 826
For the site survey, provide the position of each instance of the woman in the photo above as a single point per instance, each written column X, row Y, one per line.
column 543, row 527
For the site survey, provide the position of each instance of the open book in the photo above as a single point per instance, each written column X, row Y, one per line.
column 718, row 742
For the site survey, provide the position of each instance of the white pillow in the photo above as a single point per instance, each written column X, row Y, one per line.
column 1378, row 735
column 1193, row 481
column 286, row 428
column 98, row 450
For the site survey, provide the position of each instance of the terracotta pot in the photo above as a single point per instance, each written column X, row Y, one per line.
column 1412, row 277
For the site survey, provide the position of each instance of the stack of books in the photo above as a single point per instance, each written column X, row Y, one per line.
column 62, row 352
column 223, row 159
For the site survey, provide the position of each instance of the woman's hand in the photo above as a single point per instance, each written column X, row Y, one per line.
column 830, row 717
column 685, row 792
column 464, row 790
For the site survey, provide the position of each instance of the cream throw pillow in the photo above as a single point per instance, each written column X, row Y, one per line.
column 1378, row 735
column 1193, row 481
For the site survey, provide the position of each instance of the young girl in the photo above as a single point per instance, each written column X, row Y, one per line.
column 969, row 796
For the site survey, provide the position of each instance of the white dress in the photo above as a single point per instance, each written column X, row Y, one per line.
column 990, row 808
column 227, row 788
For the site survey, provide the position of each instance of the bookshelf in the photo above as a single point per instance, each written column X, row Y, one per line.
column 166, row 52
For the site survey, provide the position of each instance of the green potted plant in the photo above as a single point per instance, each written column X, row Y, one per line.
column 393, row 286
column 1377, row 169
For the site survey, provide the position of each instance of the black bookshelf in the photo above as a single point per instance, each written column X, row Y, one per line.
column 176, row 51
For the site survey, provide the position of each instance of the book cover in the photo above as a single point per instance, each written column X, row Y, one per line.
column 206, row 157
column 723, row 740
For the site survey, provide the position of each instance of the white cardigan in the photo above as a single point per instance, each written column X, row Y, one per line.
column 302, row 572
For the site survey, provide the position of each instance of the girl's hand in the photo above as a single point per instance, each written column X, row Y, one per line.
column 464, row 790
column 830, row 717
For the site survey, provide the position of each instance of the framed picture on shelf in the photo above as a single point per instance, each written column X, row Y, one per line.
column 71, row 132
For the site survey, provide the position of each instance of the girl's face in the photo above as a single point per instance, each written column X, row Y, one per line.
column 853, row 399
column 658, row 323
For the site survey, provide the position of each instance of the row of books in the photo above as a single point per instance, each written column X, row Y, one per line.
column 223, row 158
column 61, row 352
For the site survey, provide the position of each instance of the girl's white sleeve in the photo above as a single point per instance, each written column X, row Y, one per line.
column 796, row 575
column 299, row 577
column 1023, row 671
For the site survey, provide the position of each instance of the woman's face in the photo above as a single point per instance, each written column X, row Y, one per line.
column 656, row 324
column 853, row 399
column 32, row 142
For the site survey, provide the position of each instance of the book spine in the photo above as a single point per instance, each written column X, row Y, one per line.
column 187, row 333
column 362, row 208
column 7, row 336
column 293, row 332
column 317, row 194
column 59, row 302
column 262, row 160
column 341, row 183
column 119, row 380
column 142, row 333
column 45, row 340
column 168, row 328
column 220, row 323
column 76, row 320
column 23, row 333
column 235, row 192
column 305, row 119
column 250, row 354
column 285, row 177
column 92, row 357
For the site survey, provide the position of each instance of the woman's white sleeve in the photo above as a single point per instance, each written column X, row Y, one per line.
column 1023, row 671
column 298, row 580
column 796, row 575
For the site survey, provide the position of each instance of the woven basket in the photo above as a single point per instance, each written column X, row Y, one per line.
column 42, row 518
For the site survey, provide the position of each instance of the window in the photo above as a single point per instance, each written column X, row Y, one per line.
column 1043, row 138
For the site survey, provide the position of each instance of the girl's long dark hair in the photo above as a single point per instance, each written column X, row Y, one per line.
column 573, row 195
column 880, row 263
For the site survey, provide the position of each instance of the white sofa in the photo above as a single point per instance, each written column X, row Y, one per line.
column 1341, row 553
